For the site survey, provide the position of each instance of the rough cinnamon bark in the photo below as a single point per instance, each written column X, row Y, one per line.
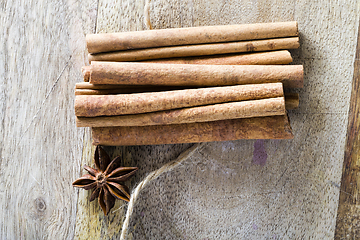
column 105, row 91
column 232, row 110
column 131, row 89
column 291, row 101
column 197, row 50
column 86, row 72
column 87, row 85
column 108, row 42
column 91, row 89
column 262, row 58
column 194, row 75
column 275, row 127
column 112, row 105
column 85, row 88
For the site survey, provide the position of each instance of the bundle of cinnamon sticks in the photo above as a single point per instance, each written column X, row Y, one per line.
column 187, row 85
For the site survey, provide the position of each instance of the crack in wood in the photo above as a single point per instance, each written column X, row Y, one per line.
column 346, row 224
column 43, row 103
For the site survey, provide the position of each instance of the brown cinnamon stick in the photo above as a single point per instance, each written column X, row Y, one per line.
column 118, row 89
column 133, row 89
column 112, row 105
column 87, row 85
column 232, row 110
column 103, row 91
column 197, row 50
column 262, row 58
column 86, row 72
column 194, row 75
column 291, row 101
column 108, row 42
column 85, row 88
column 275, row 127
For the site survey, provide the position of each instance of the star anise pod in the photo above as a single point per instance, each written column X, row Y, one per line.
column 106, row 181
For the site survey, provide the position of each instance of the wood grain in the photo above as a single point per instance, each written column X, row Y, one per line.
column 256, row 189
column 347, row 223
column 40, row 148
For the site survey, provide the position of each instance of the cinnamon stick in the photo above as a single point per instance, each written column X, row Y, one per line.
column 117, row 89
column 105, row 91
column 87, row 85
column 274, row 127
column 197, row 50
column 85, row 88
column 108, row 42
column 129, row 73
column 291, row 101
column 232, row 110
column 132, row 89
column 262, row 58
column 112, row 105
column 86, row 72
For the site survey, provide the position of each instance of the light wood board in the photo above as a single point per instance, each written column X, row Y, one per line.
column 232, row 190
column 42, row 49
column 347, row 224
column 258, row 189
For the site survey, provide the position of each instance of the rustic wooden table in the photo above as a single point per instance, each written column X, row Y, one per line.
column 246, row 189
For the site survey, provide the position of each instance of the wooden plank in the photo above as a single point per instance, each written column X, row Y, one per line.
column 261, row 189
column 330, row 17
column 112, row 16
column 347, row 224
column 41, row 51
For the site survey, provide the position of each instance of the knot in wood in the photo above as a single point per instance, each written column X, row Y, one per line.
column 40, row 204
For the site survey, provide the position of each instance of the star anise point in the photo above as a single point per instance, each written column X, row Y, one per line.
column 106, row 180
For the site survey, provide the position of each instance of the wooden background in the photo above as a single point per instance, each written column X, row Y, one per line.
column 253, row 189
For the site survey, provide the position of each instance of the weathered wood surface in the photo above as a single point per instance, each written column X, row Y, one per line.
column 263, row 189
column 348, row 218
column 42, row 48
